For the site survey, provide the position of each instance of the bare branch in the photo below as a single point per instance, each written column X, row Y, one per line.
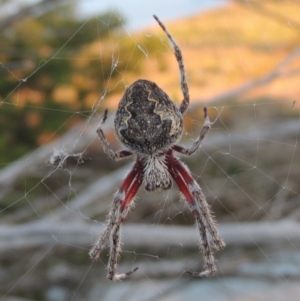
column 80, row 234
column 34, row 160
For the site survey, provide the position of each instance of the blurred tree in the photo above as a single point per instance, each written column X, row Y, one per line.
column 42, row 46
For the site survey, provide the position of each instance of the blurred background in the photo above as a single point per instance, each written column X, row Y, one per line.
column 63, row 62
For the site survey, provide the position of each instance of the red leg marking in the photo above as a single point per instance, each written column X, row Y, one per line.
column 130, row 177
column 183, row 172
column 172, row 163
column 130, row 186
column 182, row 186
column 130, row 194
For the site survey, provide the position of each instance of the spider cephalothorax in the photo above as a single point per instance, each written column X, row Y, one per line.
column 149, row 124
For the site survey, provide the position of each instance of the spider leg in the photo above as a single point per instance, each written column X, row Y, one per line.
column 120, row 207
column 194, row 187
column 184, row 86
column 101, row 243
column 196, row 144
column 209, row 261
column 116, row 241
column 199, row 197
column 114, row 255
column 108, row 150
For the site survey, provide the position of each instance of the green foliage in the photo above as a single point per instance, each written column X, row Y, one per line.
column 38, row 56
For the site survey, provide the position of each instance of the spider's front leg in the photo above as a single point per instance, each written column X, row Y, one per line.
column 200, row 210
column 209, row 261
column 118, row 213
column 114, row 214
column 203, row 207
column 116, row 242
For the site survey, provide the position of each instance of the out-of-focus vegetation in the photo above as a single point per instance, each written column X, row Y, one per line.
column 34, row 112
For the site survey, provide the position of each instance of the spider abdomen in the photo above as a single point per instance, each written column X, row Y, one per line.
column 147, row 120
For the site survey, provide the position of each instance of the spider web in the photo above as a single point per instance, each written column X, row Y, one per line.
column 54, row 199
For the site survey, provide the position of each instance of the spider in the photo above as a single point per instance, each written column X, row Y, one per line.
column 149, row 124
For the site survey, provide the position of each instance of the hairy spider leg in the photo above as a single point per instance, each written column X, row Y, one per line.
column 183, row 82
column 116, row 241
column 115, row 211
column 194, row 208
column 108, row 150
column 198, row 195
column 194, row 187
column 197, row 143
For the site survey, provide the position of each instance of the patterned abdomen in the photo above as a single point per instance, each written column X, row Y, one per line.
column 147, row 120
